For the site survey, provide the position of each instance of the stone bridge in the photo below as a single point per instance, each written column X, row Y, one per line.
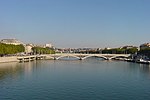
column 84, row 56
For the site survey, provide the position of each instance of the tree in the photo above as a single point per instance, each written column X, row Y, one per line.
column 132, row 50
column 40, row 50
column 145, row 52
column 10, row 49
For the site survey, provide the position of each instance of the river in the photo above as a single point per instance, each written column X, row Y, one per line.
column 90, row 79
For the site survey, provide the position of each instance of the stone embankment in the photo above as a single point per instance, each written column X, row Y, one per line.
column 8, row 59
column 22, row 58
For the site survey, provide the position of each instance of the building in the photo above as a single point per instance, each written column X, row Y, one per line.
column 145, row 46
column 28, row 48
column 128, row 47
column 11, row 41
column 48, row 45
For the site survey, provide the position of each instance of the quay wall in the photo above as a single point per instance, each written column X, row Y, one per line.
column 19, row 58
column 8, row 59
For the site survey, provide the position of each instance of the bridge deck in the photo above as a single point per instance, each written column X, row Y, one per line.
column 84, row 56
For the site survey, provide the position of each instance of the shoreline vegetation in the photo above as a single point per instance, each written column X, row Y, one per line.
column 10, row 49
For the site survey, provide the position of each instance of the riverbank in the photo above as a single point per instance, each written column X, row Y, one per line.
column 133, row 60
column 8, row 59
column 23, row 58
column 138, row 61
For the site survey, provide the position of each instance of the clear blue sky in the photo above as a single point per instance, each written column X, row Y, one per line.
column 76, row 23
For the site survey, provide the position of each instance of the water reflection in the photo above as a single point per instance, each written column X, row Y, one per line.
column 12, row 69
column 144, row 68
column 78, row 79
column 15, row 69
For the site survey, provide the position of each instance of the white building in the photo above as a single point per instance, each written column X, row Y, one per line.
column 28, row 48
column 11, row 41
column 48, row 45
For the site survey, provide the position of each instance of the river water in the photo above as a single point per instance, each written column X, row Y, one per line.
column 90, row 79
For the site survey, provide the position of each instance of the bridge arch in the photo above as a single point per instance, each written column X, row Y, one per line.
column 67, row 56
column 95, row 56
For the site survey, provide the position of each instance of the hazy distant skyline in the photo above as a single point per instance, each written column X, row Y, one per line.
column 76, row 23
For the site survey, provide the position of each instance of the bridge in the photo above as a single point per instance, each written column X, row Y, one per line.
column 85, row 56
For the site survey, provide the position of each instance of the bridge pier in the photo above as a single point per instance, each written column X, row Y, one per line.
column 108, row 59
column 80, row 58
column 55, row 58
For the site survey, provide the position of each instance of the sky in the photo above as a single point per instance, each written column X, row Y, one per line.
column 76, row 23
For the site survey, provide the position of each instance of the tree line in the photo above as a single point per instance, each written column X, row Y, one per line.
column 40, row 50
column 145, row 52
column 6, row 49
column 112, row 51
column 120, row 51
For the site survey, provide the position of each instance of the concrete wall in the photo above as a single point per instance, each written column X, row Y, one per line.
column 8, row 59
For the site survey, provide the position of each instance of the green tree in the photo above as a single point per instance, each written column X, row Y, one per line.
column 40, row 50
column 132, row 50
column 10, row 49
column 145, row 52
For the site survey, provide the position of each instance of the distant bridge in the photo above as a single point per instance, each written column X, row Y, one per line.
column 85, row 56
